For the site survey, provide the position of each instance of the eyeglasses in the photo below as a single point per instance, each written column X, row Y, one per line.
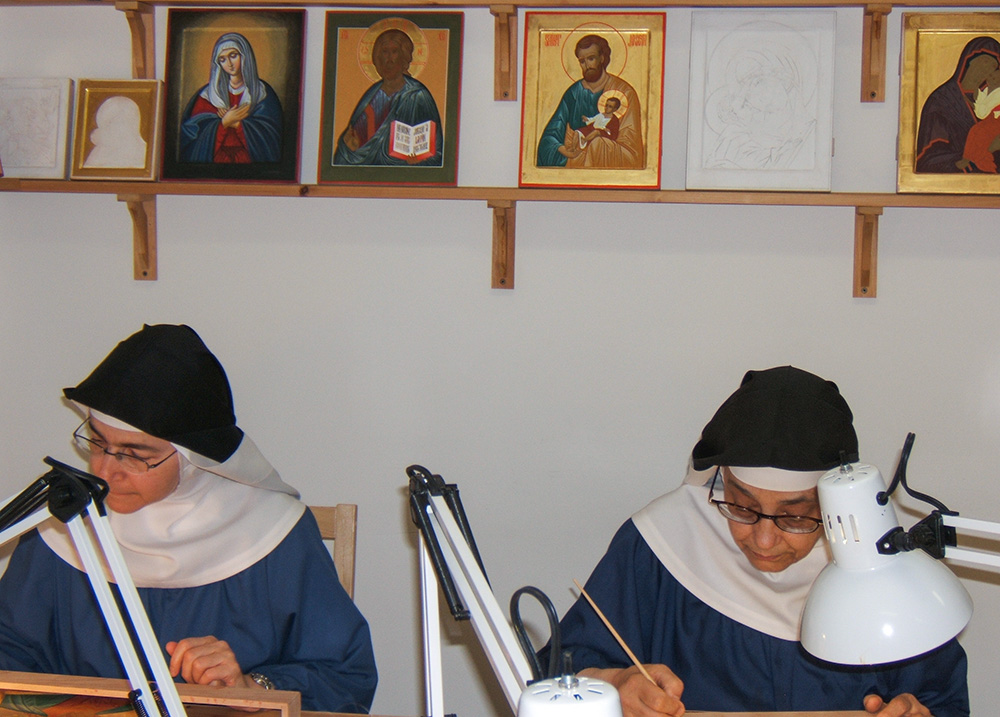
column 748, row 516
column 128, row 463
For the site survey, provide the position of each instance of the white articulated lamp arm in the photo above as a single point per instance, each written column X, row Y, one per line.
column 968, row 555
column 447, row 546
column 76, row 498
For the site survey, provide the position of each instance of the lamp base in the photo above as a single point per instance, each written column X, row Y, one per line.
column 570, row 696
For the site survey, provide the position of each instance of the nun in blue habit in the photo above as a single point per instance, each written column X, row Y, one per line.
column 238, row 585
column 708, row 593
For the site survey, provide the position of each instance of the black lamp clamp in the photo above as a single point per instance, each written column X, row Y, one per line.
column 930, row 534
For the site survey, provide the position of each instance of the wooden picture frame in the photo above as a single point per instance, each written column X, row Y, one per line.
column 34, row 126
column 760, row 109
column 358, row 151
column 603, row 132
column 116, row 129
column 944, row 55
column 106, row 696
column 258, row 137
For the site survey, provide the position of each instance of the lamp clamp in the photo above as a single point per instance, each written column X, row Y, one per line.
column 930, row 535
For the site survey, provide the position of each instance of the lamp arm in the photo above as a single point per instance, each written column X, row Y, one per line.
column 968, row 555
column 71, row 495
column 937, row 536
column 446, row 543
column 420, row 508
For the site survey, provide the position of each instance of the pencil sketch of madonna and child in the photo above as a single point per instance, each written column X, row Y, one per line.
column 761, row 105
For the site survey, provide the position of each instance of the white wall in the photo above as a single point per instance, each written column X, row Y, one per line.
column 361, row 336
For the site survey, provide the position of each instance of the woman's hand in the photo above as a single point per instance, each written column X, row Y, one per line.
column 639, row 696
column 904, row 705
column 206, row 661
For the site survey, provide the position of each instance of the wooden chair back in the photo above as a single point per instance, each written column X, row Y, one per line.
column 339, row 523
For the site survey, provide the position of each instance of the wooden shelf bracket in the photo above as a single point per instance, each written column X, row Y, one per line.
column 866, row 251
column 503, row 243
column 504, row 52
column 141, row 24
column 142, row 207
column 873, row 57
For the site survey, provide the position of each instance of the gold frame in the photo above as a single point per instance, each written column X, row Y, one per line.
column 932, row 43
column 90, row 96
column 636, row 40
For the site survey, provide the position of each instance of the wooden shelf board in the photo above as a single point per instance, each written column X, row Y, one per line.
column 508, row 194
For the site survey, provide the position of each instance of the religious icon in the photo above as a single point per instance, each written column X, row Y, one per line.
column 116, row 130
column 760, row 109
column 390, row 98
column 233, row 88
column 35, row 116
column 612, row 137
column 37, row 704
column 393, row 112
column 950, row 103
column 592, row 90
column 236, row 118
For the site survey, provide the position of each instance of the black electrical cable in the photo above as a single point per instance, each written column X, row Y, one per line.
column 899, row 478
column 555, row 639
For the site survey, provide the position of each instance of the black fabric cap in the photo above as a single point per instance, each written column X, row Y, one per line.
column 164, row 381
column 781, row 417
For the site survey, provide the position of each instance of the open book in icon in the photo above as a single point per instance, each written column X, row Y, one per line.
column 416, row 142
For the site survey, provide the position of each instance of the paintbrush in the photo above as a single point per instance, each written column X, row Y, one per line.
column 614, row 633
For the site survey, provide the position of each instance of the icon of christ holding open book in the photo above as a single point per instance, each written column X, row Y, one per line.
column 396, row 121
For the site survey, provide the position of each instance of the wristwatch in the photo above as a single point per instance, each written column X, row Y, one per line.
column 262, row 680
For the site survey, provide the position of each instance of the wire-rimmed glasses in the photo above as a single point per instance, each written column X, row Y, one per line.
column 129, row 463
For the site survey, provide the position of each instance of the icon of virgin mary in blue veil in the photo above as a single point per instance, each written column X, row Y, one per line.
column 236, row 118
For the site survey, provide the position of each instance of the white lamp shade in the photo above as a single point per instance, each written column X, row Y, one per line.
column 867, row 608
column 570, row 696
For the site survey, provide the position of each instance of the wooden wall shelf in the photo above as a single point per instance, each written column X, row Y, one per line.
column 141, row 200
column 140, row 197
column 509, row 194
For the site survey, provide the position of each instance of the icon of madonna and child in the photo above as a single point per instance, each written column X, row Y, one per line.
column 959, row 130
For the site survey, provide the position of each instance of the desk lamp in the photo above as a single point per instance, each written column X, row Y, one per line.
column 886, row 597
column 448, row 551
column 77, row 499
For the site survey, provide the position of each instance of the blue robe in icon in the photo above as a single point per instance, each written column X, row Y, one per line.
column 257, row 139
column 372, row 120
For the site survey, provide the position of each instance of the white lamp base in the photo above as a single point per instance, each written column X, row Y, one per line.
column 570, row 696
